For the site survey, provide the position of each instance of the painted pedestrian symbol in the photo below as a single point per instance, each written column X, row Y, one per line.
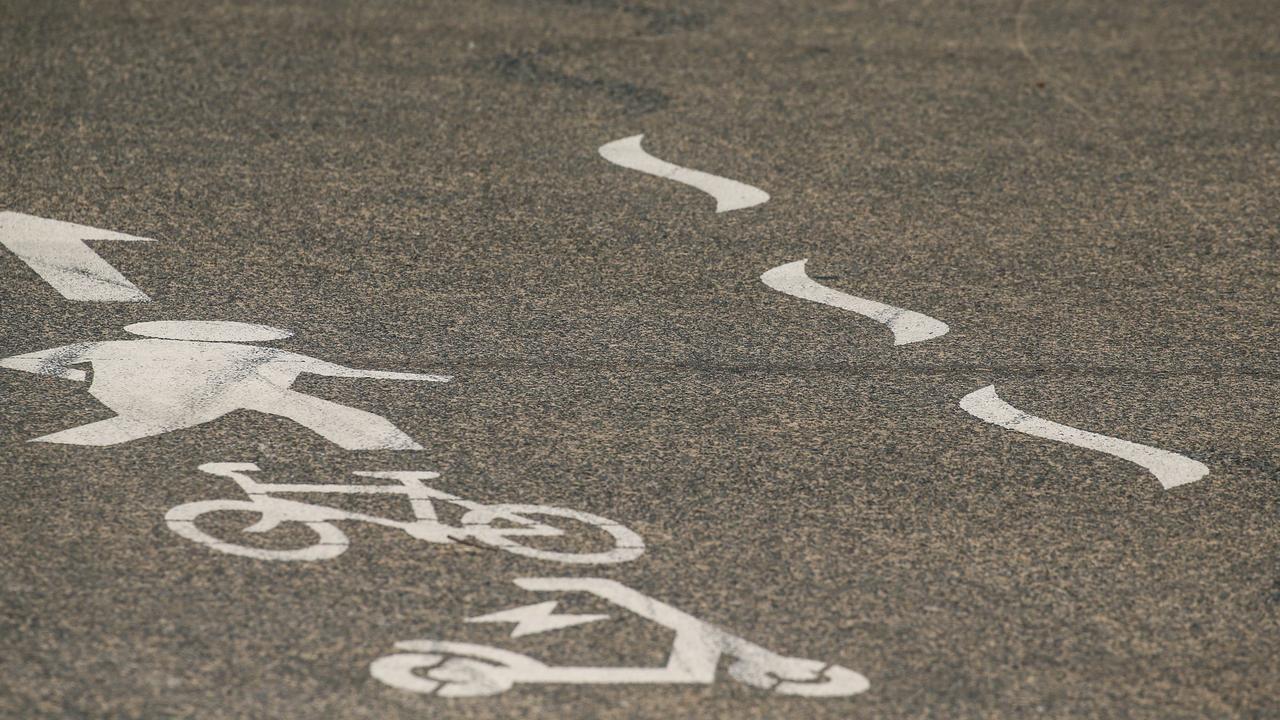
column 504, row 527
column 188, row 372
column 457, row 669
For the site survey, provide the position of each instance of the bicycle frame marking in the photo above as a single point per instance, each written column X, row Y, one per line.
column 476, row 523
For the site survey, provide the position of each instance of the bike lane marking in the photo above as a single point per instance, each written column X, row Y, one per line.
column 1170, row 468
column 729, row 194
column 57, row 252
column 907, row 326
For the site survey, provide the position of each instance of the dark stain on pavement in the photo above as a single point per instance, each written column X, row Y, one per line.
column 660, row 21
column 525, row 66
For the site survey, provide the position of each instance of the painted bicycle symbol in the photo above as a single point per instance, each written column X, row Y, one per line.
column 503, row 526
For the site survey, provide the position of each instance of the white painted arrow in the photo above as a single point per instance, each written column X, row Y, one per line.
column 56, row 250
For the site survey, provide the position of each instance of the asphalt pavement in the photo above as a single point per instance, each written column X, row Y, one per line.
column 1087, row 194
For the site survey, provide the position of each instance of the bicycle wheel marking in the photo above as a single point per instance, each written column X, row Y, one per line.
column 270, row 502
column 322, row 550
column 627, row 545
column 729, row 194
column 907, row 326
column 1170, row 468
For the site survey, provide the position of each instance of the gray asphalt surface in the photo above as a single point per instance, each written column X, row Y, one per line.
column 1087, row 193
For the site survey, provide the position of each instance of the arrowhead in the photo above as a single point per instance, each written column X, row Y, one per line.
column 57, row 252
column 44, row 230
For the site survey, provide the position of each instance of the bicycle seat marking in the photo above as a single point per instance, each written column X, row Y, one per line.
column 513, row 521
column 457, row 669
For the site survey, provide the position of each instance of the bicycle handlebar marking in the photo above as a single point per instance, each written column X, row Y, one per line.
column 476, row 523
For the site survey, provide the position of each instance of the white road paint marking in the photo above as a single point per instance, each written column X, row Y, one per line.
column 455, row 669
column 729, row 194
column 536, row 618
column 1170, row 468
column 189, row 372
column 56, row 250
column 501, row 526
column 907, row 326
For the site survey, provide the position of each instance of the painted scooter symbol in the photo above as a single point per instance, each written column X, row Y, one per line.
column 455, row 669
